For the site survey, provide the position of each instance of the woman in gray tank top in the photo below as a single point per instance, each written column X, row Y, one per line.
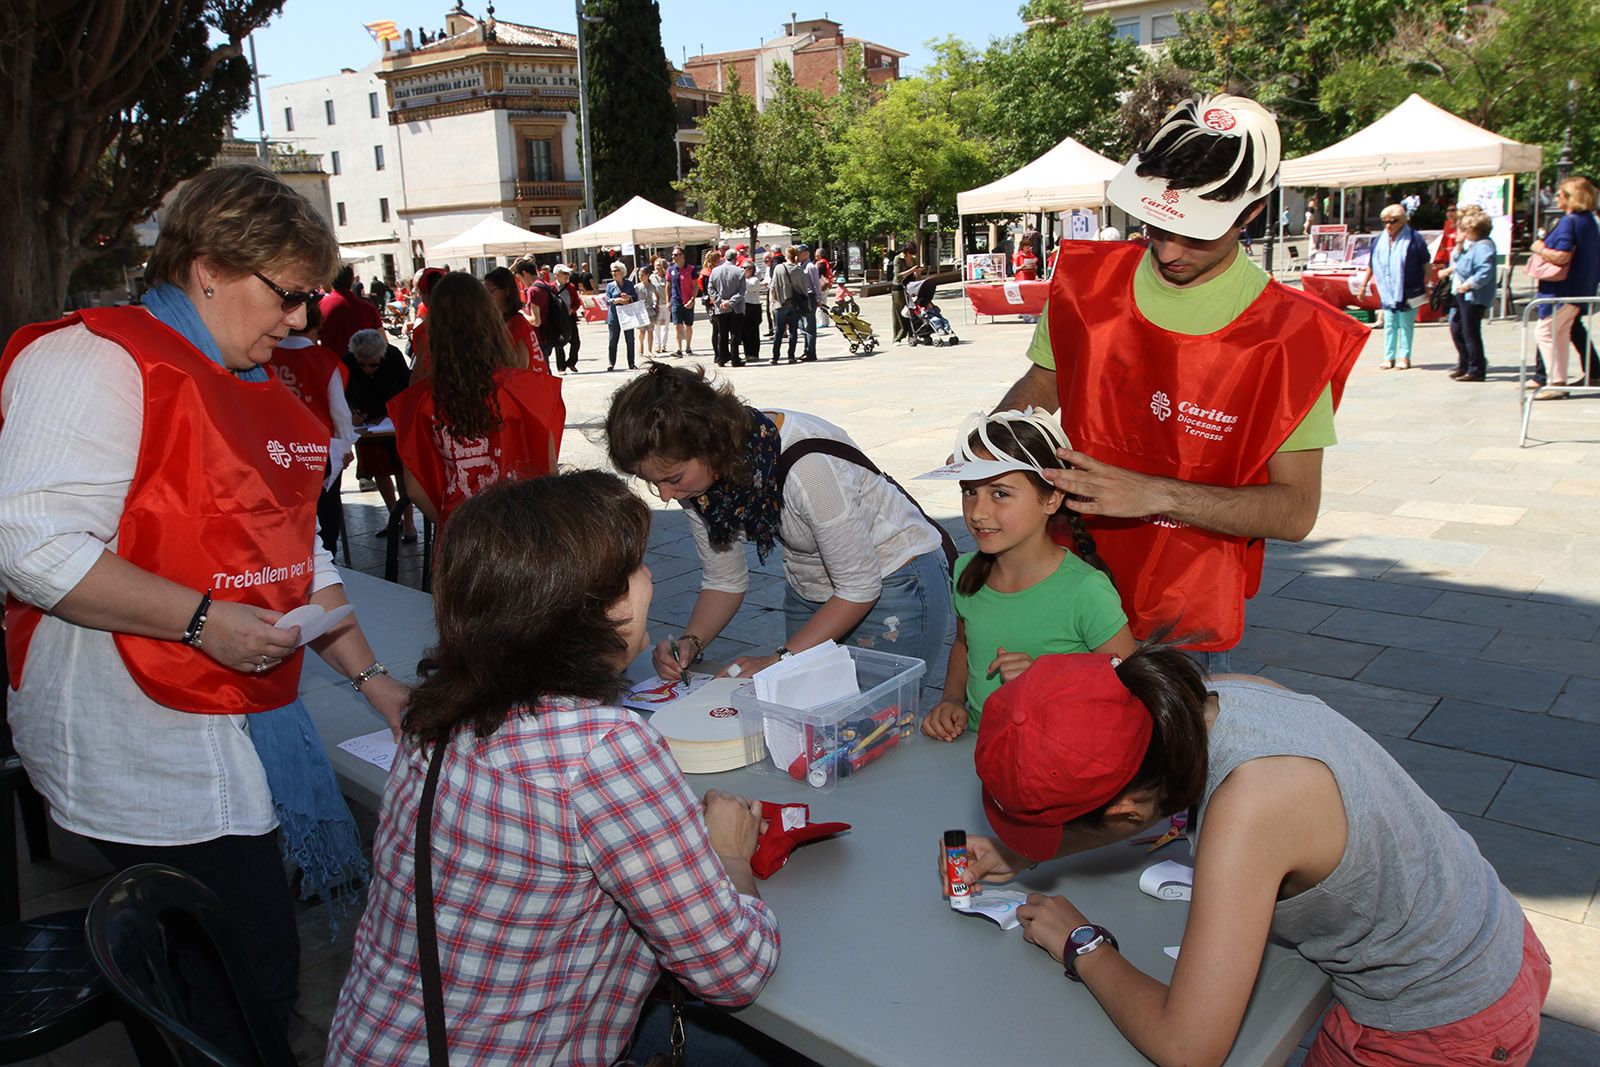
column 1303, row 826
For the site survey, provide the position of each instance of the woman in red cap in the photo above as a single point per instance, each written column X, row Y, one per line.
column 1312, row 833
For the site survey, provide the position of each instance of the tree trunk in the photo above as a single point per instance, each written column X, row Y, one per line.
column 40, row 248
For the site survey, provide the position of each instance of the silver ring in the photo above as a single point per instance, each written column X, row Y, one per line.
column 261, row 668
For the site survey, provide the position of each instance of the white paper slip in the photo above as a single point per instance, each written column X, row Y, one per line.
column 707, row 714
column 999, row 906
column 377, row 748
column 313, row 620
column 819, row 675
column 656, row 692
column 1013, row 292
column 1168, row 880
column 1172, row 951
column 950, row 472
column 385, row 425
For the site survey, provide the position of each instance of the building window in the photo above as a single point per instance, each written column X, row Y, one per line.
column 383, row 209
column 327, row 110
column 372, row 104
column 377, row 156
column 333, row 163
column 288, row 119
column 1163, row 28
column 338, row 209
column 541, row 165
column 1126, row 27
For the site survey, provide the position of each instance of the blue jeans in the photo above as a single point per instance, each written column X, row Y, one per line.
column 1213, row 662
column 785, row 319
column 1397, row 329
column 712, row 1038
column 811, row 331
column 909, row 619
column 617, row 332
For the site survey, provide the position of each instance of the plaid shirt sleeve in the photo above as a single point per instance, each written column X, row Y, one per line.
column 647, row 844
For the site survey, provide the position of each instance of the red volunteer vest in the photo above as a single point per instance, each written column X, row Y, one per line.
column 522, row 336
column 306, row 372
column 451, row 471
column 224, row 497
column 1025, row 266
column 1211, row 410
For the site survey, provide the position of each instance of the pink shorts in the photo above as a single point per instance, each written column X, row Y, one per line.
column 1502, row 1034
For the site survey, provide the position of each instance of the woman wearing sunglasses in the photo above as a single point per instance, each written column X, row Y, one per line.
column 158, row 495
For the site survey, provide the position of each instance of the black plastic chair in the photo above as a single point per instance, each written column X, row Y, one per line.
column 391, row 553
column 51, row 992
column 132, row 926
column 35, row 823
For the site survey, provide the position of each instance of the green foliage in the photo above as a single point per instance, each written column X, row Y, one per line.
column 727, row 184
column 791, row 140
column 1506, row 68
column 111, row 106
column 633, row 121
column 1061, row 77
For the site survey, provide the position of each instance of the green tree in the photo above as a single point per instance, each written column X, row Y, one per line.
column 1159, row 87
column 728, row 183
column 1514, row 68
column 855, row 95
column 1058, row 78
column 791, row 143
column 633, row 122
column 1278, row 52
column 110, row 106
column 906, row 157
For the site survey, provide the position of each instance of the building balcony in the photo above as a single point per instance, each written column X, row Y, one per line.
column 549, row 190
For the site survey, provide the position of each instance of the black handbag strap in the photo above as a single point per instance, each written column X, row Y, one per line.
column 850, row 454
column 427, row 933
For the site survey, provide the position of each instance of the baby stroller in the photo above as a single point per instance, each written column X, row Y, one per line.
column 846, row 315
column 924, row 323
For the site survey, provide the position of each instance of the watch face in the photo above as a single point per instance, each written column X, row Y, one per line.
column 1082, row 935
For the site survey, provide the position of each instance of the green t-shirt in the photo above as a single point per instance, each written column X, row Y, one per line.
column 1202, row 309
column 1076, row 609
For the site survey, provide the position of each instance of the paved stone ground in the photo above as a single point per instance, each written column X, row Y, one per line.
column 1444, row 602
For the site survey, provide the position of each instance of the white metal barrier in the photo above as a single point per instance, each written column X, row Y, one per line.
column 1525, row 394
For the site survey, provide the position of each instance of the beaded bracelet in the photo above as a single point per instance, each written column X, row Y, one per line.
column 191, row 635
column 699, row 648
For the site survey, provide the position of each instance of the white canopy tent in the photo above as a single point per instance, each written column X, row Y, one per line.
column 641, row 223
column 494, row 236
column 354, row 255
column 1417, row 141
column 766, row 232
column 1068, row 176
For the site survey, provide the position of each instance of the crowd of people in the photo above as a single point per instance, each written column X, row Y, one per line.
column 540, row 861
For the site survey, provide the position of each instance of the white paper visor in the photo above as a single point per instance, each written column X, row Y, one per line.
column 976, row 470
column 1180, row 211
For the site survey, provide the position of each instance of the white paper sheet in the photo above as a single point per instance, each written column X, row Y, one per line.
column 819, row 675
column 656, row 692
column 707, row 714
column 386, row 425
column 377, row 748
column 313, row 620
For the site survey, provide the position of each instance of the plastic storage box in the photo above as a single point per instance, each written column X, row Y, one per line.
column 823, row 745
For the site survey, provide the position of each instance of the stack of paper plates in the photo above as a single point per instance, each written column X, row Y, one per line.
column 707, row 733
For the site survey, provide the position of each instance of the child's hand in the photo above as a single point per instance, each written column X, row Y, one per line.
column 946, row 722
column 1009, row 664
column 987, row 861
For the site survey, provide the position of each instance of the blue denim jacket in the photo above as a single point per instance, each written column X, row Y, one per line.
column 1472, row 272
column 1401, row 274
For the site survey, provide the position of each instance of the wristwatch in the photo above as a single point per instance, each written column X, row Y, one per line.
column 1081, row 940
column 783, row 652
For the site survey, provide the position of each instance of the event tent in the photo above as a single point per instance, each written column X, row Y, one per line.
column 1068, row 176
column 1417, row 141
column 639, row 222
column 494, row 236
column 766, row 232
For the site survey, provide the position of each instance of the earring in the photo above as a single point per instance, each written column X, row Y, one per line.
column 210, row 292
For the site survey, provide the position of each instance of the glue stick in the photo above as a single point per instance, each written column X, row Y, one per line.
column 955, row 865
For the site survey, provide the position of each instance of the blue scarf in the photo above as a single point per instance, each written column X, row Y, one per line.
column 319, row 834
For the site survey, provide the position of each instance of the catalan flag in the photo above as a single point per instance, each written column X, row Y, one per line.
column 384, row 30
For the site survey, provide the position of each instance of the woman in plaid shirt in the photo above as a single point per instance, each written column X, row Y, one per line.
column 572, row 864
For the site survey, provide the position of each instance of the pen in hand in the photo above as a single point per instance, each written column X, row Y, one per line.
column 672, row 644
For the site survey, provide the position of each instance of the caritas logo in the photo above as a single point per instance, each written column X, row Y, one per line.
column 723, row 713
column 1171, row 196
column 278, row 454
column 1219, row 119
column 312, row 456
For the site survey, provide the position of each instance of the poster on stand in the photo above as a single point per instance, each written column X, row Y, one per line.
column 986, row 267
column 1328, row 245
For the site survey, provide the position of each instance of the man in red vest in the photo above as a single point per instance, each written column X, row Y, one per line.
column 1197, row 392
column 343, row 312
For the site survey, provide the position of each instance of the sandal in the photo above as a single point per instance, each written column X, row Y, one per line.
column 1405, row 364
column 1386, row 365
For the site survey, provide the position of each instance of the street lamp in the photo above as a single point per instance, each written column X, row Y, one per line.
column 1564, row 164
column 583, row 120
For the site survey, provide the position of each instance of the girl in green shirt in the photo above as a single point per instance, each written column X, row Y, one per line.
column 1020, row 595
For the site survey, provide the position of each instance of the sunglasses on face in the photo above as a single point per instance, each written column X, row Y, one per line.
column 292, row 298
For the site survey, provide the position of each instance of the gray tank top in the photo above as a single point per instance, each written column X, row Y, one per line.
column 1413, row 927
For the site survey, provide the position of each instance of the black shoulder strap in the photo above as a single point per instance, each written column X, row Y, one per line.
column 850, row 454
column 427, row 934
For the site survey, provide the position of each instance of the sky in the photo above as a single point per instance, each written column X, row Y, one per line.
column 312, row 38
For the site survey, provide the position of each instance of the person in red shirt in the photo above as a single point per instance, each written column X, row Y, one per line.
column 343, row 312
column 477, row 419
column 420, row 359
column 502, row 285
column 317, row 376
column 1025, row 264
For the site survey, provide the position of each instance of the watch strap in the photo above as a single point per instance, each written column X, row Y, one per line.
column 1071, row 952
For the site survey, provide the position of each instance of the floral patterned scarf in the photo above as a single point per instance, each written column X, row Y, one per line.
column 751, row 509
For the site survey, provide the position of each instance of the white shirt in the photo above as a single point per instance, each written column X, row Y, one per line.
column 114, row 764
column 843, row 528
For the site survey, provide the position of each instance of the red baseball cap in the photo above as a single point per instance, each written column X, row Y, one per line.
column 1056, row 742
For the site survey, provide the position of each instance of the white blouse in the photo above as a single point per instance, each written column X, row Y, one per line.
column 843, row 528
column 114, row 764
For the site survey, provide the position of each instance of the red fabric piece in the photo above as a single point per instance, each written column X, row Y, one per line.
column 1210, row 410
column 522, row 336
column 343, row 314
column 224, row 498
column 990, row 298
column 306, row 372
column 450, row 471
column 772, row 851
column 1025, row 265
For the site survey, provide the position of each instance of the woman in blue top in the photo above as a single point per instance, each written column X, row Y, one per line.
column 1574, row 244
column 1472, row 282
column 619, row 290
column 1399, row 271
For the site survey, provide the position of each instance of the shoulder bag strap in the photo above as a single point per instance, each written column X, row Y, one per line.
column 839, row 450
column 427, row 933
